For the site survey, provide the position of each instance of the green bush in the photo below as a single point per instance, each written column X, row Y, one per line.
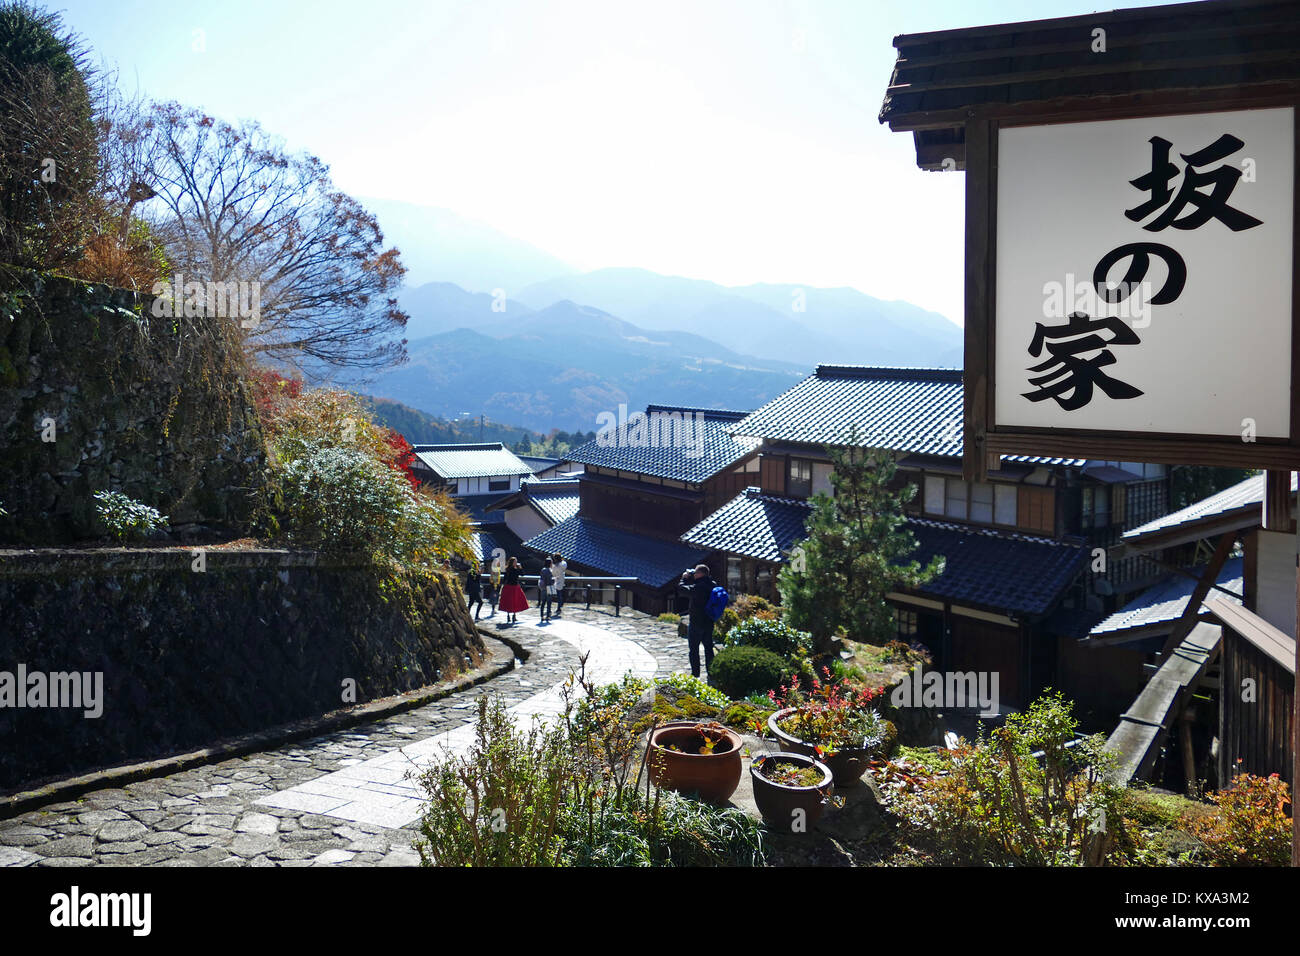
column 560, row 795
column 125, row 517
column 779, row 638
column 670, row 618
column 340, row 499
column 741, row 671
column 696, row 688
column 1252, row 826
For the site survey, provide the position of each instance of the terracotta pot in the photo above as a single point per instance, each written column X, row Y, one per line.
column 786, row 808
column 712, row 777
column 848, row 765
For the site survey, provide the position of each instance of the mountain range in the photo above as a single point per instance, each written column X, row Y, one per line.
column 501, row 328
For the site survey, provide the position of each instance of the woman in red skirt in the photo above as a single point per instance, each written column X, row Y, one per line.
column 512, row 595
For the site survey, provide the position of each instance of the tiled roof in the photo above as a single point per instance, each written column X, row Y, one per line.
column 475, row 506
column 909, row 410
column 1015, row 573
column 471, row 461
column 1243, row 496
column 538, row 463
column 754, row 525
column 654, row 562
column 557, row 500
column 685, row 444
column 498, row 539
column 1165, row 602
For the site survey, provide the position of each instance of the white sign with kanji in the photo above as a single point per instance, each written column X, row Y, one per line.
column 1144, row 274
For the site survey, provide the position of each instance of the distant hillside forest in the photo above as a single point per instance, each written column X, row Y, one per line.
column 420, row 428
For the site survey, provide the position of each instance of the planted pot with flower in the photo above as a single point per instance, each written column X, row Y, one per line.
column 696, row 757
column 831, row 722
column 791, row 790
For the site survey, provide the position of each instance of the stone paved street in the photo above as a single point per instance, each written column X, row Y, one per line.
column 338, row 799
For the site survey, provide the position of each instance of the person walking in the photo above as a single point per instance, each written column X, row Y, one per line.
column 698, row 584
column 512, row 595
column 545, row 591
column 494, row 586
column 558, row 567
column 474, row 588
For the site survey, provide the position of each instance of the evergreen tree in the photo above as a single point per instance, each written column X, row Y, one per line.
column 858, row 549
column 49, row 147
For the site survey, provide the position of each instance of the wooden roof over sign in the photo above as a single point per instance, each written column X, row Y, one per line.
column 941, row 79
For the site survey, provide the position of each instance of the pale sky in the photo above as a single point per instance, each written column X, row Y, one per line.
column 731, row 141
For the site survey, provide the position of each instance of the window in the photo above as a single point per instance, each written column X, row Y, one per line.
column 498, row 484
column 1096, row 508
column 933, row 495
column 733, row 574
column 955, row 501
column 907, row 624
column 800, row 484
column 1004, row 511
column 1036, row 509
column 981, row 502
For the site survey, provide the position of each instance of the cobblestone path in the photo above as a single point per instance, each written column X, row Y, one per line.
column 337, row 799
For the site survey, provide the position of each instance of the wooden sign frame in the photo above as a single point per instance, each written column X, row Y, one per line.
column 985, row 441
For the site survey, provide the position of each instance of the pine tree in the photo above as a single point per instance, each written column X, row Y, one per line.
column 858, row 550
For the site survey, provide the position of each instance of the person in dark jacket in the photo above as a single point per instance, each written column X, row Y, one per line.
column 474, row 588
column 545, row 591
column 698, row 584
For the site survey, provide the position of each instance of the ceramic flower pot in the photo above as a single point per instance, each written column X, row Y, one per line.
column 713, row 777
column 847, row 764
column 785, row 807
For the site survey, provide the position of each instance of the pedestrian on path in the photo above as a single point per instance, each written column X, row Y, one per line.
column 545, row 591
column 698, row 584
column 474, row 588
column 512, row 595
column 494, row 586
column 558, row 567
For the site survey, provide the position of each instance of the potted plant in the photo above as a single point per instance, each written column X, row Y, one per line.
column 791, row 790
column 832, row 722
column 699, row 757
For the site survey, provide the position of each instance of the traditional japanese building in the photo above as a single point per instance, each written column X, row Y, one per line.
column 1018, row 589
column 643, row 484
column 1227, row 604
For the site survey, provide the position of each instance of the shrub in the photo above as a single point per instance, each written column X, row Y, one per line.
column 345, row 483
column 723, row 625
column 125, row 517
column 993, row 802
column 772, row 635
column 740, row 671
column 559, row 796
column 502, row 802
column 49, row 147
column 1251, row 827
column 753, row 605
column 689, row 684
column 338, row 499
column 671, row 618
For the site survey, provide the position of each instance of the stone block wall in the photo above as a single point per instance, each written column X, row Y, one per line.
column 257, row 638
column 152, row 407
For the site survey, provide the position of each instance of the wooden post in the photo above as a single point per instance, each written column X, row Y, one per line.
column 980, row 160
column 1191, row 613
column 1185, row 745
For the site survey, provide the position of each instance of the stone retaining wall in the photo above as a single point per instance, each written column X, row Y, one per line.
column 98, row 394
column 258, row 637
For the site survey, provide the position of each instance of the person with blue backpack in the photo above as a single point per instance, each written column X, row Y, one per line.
column 707, row 602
